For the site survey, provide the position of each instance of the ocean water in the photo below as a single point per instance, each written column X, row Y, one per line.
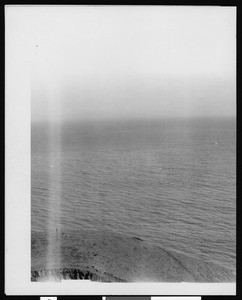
column 170, row 182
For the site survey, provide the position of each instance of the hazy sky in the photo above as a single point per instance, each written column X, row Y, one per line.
column 132, row 62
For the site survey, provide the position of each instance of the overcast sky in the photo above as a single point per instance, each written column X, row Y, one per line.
column 132, row 62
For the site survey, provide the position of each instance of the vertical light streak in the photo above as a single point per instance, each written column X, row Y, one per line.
column 54, row 209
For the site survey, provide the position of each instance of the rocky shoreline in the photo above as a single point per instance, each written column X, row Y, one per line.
column 111, row 257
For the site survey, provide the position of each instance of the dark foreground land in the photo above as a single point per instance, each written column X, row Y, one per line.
column 111, row 257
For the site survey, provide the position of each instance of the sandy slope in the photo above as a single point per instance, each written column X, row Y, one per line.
column 106, row 256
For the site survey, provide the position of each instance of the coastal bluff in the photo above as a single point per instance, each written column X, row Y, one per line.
column 112, row 257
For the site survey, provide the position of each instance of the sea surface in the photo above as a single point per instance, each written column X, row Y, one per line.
column 169, row 182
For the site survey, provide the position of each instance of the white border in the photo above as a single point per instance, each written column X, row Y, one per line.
column 17, row 185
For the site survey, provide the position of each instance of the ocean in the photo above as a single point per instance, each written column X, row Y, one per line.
column 169, row 182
